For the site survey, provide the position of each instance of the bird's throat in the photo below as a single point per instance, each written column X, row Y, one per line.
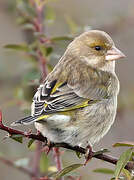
column 108, row 66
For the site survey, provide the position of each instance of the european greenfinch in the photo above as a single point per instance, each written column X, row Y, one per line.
column 77, row 102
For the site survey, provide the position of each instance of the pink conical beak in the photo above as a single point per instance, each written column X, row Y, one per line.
column 114, row 54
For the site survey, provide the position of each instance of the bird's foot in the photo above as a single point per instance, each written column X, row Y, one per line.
column 88, row 155
column 47, row 148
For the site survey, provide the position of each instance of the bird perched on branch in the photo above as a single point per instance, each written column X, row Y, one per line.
column 77, row 102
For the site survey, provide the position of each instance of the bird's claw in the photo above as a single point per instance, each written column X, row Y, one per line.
column 88, row 154
column 47, row 148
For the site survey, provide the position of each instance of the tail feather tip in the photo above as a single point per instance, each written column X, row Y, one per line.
column 16, row 123
column 26, row 120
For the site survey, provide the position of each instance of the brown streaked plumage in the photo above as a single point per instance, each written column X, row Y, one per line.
column 77, row 102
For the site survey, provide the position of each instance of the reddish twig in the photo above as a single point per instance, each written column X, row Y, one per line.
column 56, row 154
column 39, row 28
column 36, row 159
column 42, row 63
column 39, row 137
column 38, row 23
column 29, row 135
column 57, row 157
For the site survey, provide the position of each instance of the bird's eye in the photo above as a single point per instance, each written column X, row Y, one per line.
column 98, row 48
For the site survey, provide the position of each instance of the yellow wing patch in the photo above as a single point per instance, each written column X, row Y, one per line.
column 83, row 104
column 43, row 117
column 78, row 103
column 55, row 87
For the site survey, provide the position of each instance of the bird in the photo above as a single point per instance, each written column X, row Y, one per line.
column 77, row 102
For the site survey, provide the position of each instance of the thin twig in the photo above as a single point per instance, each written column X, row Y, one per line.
column 39, row 137
column 42, row 63
column 39, row 28
column 12, row 164
column 36, row 159
column 57, row 158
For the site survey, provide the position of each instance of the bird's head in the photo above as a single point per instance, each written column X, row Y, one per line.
column 97, row 48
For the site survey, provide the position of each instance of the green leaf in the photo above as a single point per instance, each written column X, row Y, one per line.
column 79, row 155
column 46, row 51
column 124, row 158
column 104, row 171
column 132, row 157
column 32, row 147
column 17, row 47
column 50, row 67
column 44, row 163
column 39, row 35
column 22, row 21
column 28, row 26
column 127, row 174
column 101, row 152
column 125, row 143
column 22, row 162
column 67, row 170
column 62, row 38
column 18, row 138
column 119, row 178
column 72, row 173
column 30, row 143
column 50, row 15
column 49, row 50
column 42, row 49
column 26, row 10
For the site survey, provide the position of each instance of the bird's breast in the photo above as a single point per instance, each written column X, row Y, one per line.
column 95, row 120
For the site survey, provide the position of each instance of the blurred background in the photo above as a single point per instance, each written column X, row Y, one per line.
column 64, row 18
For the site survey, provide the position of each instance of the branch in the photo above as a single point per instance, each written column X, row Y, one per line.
column 57, row 158
column 39, row 137
column 12, row 131
column 36, row 159
column 42, row 60
column 39, row 28
column 22, row 169
column 56, row 154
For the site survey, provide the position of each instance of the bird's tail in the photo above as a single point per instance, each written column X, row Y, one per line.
column 27, row 120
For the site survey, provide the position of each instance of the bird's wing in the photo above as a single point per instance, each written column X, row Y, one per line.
column 54, row 97
column 76, row 91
